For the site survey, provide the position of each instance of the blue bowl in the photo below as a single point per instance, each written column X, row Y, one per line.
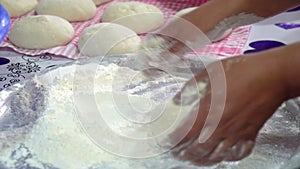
column 4, row 22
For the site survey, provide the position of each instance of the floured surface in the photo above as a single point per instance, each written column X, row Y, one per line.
column 59, row 131
column 57, row 140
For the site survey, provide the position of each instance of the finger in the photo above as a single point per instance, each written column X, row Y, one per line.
column 217, row 146
column 244, row 146
column 180, row 49
column 226, row 136
column 195, row 151
column 231, row 145
column 196, row 121
column 158, row 42
column 156, row 49
column 219, row 152
column 195, row 89
column 177, row 47
column 232, row 153
column 240, row 150
column 246, row 149
column 188, row 129
column 199, row 154
column 229, row 150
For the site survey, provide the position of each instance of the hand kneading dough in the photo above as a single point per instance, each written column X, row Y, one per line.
column 41, row 32
column 17, row 8
column 106, row 39
column 99, row 2
column 71, row 10
column 138, row 16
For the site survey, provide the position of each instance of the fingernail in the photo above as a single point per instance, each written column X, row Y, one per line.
column 206, row 132
column 216, row 152
column 244, row 148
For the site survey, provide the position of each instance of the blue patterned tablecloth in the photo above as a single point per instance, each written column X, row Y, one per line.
column 15, row 68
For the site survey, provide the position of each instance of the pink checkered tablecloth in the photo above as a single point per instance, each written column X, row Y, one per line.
column 232, row 45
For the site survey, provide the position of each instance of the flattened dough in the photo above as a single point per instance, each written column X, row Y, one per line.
column 108, row 38
column 41, row 32
column 17, row 8
column 138, row 16
column 71, row 10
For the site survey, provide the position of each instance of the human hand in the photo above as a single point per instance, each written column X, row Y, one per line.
column 192, row 30
column 229, row 120
column 167, row 46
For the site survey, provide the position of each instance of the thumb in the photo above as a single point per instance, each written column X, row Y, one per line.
column 193, row 90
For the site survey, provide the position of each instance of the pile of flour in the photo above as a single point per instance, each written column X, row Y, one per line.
column 58, row 140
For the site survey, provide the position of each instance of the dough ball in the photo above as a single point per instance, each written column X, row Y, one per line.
column 18, row 8
column 106, row 39
column 41, row 32
column 138, row 16
column 71, row 10
column 99, row 2
column 185, row 11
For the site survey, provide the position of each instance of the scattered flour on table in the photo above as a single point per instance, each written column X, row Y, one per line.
column 58, row 139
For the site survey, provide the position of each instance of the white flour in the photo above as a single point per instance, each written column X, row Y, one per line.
column 58, row 138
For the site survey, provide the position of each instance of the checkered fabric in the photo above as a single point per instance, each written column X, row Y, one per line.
column 232, row 45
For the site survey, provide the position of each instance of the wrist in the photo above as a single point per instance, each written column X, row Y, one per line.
column 208, row 15
column 280, row 67
column 269, row 72
column 268, row 8
column 215, row 22
column 290, row 60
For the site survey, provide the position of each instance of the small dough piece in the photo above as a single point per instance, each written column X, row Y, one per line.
column 185, row 11
column 41, row 32
column 138, row 16
column 17, row 8
column 71, row 10
column 99, row 2
column 107, row 39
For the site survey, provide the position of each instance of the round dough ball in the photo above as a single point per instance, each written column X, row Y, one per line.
column 107, row 39
column 71, row 10
column 99, row 2
column 185, row 11
column 138, row 16
column 41, row 32
column 17, row 8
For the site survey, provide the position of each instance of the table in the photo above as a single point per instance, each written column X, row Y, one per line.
column 15, row 67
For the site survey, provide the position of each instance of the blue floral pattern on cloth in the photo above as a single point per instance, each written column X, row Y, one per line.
column 19, row 70
column 262, row 45
column 15, row 68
